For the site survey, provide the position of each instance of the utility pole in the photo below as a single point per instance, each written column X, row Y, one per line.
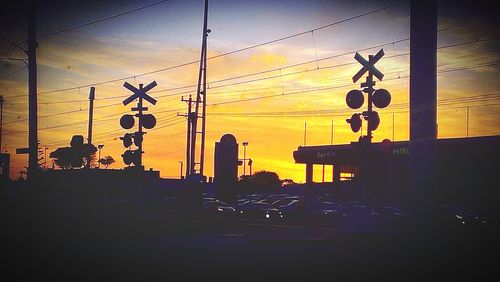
column 245, row 144
column 1, row 120
column 305, row 133
column 423, row 105
column 91, row 118
column 331, row 137
column 201, row 97
column 32, row 82
column 393, row 127
column 189, row 116
column 467, row 124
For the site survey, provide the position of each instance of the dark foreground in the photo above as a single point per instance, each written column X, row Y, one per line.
column 123, row 242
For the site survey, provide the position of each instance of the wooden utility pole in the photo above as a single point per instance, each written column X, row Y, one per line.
column 91, row 118
column 32, row 85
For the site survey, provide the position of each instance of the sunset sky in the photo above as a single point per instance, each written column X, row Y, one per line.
column 302, row 79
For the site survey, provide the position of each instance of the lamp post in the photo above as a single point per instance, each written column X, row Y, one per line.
column 244, row 157
column 99, row 160
column 181, row 168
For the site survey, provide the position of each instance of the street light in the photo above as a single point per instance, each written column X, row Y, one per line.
column 244, row 157
column 99, row 160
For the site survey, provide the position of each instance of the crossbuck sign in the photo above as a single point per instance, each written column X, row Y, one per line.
column 368, row 66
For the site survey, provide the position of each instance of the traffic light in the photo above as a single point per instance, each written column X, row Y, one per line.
column 127, row 140
column 355, row 122
column 355, row 99
column 373, row 120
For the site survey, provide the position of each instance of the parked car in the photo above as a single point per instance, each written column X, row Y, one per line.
column 218, row 208
column 260, row 211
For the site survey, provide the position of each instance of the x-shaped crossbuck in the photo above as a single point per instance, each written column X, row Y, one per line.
column 139, row 93
column 368, row 66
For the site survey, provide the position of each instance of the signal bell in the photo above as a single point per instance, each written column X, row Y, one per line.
column 355, row 122
column 355, row 99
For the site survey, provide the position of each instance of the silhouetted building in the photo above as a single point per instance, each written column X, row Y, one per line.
column 466, row 168
column 226, row 166
column 4, row 166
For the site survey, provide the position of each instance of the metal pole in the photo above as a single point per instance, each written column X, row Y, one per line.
column 100, row 146
column 181, row 168
column 32, row 81
column 139, row 105
column 369, row 81
column 305, row 133
column 188, row 137
column 201, row 80
column 204, row 94
column 392, row 127
column 323, row 180
column 423, row 106
column 467, row 126
column 331, row 137
column 244, row 157
column 1, row 120
column 45, row 155
column 99, row 161
column 91, row 118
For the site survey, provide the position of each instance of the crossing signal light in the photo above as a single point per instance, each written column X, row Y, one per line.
column 127, row 121
column 373, row 120
column 148, row 121
column 127, row 140
column 131, row 157
column 138, row 138
column 355, row 122
column 381, row 98
column 355, row 99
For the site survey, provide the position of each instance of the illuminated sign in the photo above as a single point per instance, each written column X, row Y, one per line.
column 400, row 151
column 325, row 155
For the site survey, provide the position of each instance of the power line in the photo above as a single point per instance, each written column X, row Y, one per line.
column 255, row 98
column 286, row 67
column 228, row 53
column 14, row 72
column 254, row 46
column 101, row 20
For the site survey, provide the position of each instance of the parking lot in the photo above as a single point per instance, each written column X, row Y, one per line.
column 118, row 240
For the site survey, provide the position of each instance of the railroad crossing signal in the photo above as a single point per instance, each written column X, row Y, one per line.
column 368, row 66
column 147, row 121
column 139, row 93
column 381, row 98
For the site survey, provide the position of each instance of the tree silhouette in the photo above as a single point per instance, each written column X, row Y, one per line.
column 107, row 161
column 261, row 181
column 73, row 157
